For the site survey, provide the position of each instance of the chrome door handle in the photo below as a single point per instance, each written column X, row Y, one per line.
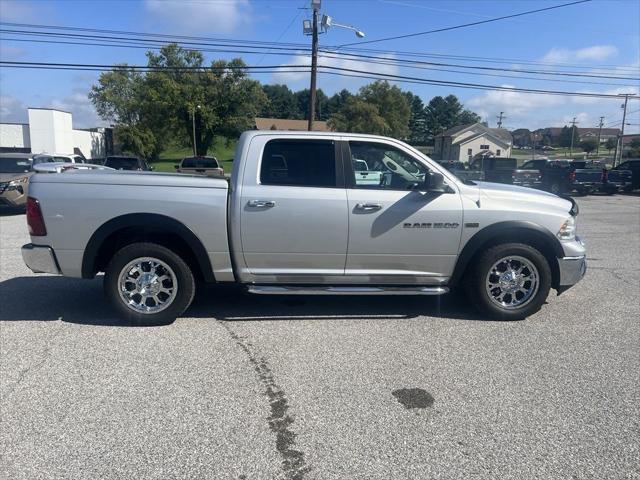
column 261, row 203
column 368, row 207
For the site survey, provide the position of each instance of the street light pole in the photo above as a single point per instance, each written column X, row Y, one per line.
column 314, row 66
column 193, row 128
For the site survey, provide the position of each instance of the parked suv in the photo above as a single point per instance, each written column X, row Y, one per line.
column 201, row 165
column 15, row 170
column 126, row 163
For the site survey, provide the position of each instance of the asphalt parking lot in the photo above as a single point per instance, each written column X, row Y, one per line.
column 326, row 388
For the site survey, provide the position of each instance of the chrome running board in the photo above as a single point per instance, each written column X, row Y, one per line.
column 333, row 290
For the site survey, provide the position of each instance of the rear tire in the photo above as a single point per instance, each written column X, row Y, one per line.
column 148, row 284
column 509, row 281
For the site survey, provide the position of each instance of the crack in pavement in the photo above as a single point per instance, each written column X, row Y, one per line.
column 293, row 464
column 36, row 365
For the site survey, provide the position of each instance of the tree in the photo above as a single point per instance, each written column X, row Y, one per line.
column 392, row 106
column 180, row 90
column 565, row 136
column 610, row 144
column 135, row 139
column 359, row 116
column 302, row 99
column 337, row 101
column 444, row 113
column 589, row 146
column 281, row 102
column 417, row 120
column 634, row 146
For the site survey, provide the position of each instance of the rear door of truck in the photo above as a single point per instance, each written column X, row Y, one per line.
column 294, row 219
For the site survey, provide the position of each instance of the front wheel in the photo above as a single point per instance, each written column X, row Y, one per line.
column 149, row 284
column 509, row 281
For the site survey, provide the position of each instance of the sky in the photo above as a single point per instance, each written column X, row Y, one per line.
column 600, row 37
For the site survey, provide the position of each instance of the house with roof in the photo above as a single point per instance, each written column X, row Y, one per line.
column 466, row 142
column 286, row 124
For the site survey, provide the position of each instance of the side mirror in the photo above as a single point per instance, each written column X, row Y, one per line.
column 434, row 182
column 177, row 167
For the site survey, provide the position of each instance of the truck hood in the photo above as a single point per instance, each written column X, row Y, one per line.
column 513, row 193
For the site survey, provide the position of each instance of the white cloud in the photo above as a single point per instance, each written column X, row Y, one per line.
column 12, row 110
column 332, row 83
column 8, row 53
column 520, row 107
column 15, row 11
column 78, row 103
column 595, row 52
column 201, row 16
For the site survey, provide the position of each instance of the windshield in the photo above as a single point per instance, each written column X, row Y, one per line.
column 199, row 162
column 14, row 165
column 122, row 163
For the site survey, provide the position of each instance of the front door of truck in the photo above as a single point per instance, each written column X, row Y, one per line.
column 294, row 220
column 397, row 233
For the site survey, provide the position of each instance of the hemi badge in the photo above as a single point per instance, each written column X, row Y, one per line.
column 471, row 225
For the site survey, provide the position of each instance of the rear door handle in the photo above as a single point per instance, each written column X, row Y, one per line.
column 368, row 207
column 261, row 203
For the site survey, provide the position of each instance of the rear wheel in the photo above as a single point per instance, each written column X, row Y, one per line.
column 509, row 281
column 149, row 284
column 555, row 188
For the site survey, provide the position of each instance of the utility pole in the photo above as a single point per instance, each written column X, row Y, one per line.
column 573, row 126
column 599, row 134
column 621, row 136
column 500, row 117
column 315, row 5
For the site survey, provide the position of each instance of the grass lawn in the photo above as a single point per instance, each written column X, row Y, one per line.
column 172, row 156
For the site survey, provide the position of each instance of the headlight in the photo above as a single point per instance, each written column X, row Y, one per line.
column 568, row 229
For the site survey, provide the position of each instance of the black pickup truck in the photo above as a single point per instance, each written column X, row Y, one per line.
column 596, row 175
column 633, row 166
column 556, row 175
column 505, row 170
column 462, row 170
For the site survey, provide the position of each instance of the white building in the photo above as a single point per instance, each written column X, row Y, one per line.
column 51, row 131
column 465, row 142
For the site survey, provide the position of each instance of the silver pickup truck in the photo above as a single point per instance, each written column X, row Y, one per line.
column 301, row 215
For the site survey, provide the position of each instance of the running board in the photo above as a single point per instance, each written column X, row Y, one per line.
column 332, row 290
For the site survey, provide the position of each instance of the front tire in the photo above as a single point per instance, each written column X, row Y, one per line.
column 509, row 281
column 148, row 284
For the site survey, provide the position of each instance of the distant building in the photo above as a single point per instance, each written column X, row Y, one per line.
column 51, row 131
column 466, row 142
column 286, row 124
column 555, row 134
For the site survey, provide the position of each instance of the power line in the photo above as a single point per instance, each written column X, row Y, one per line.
column 465, row 25
column 298, row 68
column 297, row 46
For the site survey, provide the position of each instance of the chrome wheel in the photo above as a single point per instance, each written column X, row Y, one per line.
column 512, row 282
column 147, row 285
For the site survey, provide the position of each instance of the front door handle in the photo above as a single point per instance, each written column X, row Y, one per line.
column 368, row 207
column 261, row 203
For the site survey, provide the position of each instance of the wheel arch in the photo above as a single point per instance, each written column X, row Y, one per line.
column 148, row 227
column 524, row 232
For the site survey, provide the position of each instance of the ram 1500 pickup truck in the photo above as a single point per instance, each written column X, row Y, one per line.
column 298, row 216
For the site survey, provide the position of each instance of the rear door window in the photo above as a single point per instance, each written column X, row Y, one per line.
column 300, row 163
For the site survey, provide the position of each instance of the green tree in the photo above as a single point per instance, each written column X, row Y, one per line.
column 135, row 139
column 392, row 106
column 337, row 101
column 610, row 144
column 444, row 113
column 302, row 99
column 565, row 136
column 281, row 102
column 589, row 146
column 359, row 116
column 417, row 120
column 180, row 90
